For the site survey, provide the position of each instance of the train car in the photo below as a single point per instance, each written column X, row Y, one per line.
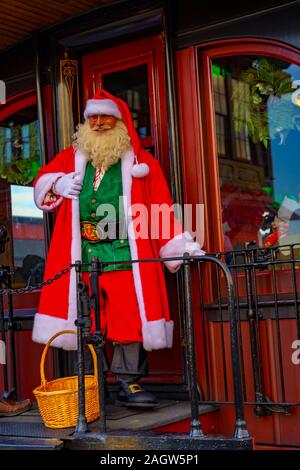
column 214, row 92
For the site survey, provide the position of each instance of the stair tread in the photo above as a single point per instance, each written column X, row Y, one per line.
column 13, row 442
column 118, row 418
column 168, row 412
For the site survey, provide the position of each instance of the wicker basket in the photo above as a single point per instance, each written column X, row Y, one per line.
column 58, row 399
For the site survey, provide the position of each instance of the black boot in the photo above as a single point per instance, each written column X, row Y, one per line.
column 132, row 395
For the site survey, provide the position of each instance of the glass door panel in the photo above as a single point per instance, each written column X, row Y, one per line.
column 257, row 125
column 19, row 164
column 132, row 86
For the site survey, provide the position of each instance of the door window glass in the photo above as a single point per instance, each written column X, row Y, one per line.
column 131, row 85
column 19, row 164
column 257, row 117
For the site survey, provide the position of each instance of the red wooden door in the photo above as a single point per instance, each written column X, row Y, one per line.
column 247, row 177
column 135, row 73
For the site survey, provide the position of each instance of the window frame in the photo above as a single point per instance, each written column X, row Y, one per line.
column 14, row 104
column 17, row 103
column 198, row 145
column 205, row 55
column 147, row 51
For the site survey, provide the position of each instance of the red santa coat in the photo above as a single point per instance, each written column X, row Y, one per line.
column 58, row 309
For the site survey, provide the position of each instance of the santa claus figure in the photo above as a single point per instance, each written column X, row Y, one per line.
column 106, row 165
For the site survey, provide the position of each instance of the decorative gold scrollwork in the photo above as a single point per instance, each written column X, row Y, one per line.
column 69, row 99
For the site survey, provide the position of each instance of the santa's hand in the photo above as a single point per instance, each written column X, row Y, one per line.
column 68, row 186
column 198, row 253
column 193, row 249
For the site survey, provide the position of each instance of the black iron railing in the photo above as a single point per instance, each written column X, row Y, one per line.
column 267, row 304
column 7, row 336
column 248, row 303
column 85, row 303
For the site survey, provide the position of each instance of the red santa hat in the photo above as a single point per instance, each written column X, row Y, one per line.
column 105, row 103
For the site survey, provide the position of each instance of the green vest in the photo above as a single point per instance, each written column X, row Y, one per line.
column 108, row 192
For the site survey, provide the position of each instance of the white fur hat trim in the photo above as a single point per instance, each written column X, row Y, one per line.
column 108, row 107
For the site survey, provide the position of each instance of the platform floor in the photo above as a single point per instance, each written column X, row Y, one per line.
column 119, row 418
column 126, row 429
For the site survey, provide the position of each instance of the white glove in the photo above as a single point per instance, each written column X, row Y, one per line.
column 198, row 253
column 68, row 186
column 178, row 249
column 193, row 249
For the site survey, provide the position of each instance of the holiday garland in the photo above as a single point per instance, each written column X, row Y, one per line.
column 19, row 170
column 267, row 106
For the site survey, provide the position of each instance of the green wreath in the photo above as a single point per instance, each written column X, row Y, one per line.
column 21, row 171
column 268, row 108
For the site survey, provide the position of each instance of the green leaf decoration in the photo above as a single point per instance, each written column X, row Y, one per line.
column 265, row 105
column 20, row 170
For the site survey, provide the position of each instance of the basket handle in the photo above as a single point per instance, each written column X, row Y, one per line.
column 71, row 332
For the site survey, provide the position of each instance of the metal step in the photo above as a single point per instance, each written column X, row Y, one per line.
column 168, row 412
column 126, row 429
column 30, row 424
column 26, row 443
column 155, row 441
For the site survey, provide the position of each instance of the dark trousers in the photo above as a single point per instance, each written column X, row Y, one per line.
column 129, row 362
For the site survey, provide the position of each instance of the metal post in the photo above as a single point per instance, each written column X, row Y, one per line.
column 241, row 431
column 98, row 341
column 256, row 359
column 195, row 426
column 11, row 338
column 3, row 336
column 81, row 426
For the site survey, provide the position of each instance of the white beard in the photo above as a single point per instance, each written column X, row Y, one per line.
column 104, row 148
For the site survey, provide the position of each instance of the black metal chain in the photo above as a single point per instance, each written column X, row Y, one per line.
column 22, row 290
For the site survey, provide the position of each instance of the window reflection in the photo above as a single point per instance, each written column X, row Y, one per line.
column 257, row 115
column 131, row 85
column 20, row 147
column 28, row 236
column 19, row 164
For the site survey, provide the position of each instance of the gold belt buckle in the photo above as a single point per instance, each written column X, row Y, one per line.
column 88, row 231
column 95, row 232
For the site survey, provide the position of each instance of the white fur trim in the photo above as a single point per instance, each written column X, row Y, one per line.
column 127, row 163
column 140, row 170
column 157, row 334
column 169, row 326
column 99, row 106
column 177, row 246
column 46, row 326
column 42, row 187
column 2, row 353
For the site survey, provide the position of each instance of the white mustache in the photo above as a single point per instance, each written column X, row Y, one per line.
column 100, row 128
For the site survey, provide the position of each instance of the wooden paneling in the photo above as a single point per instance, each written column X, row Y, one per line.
column 18, row 19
